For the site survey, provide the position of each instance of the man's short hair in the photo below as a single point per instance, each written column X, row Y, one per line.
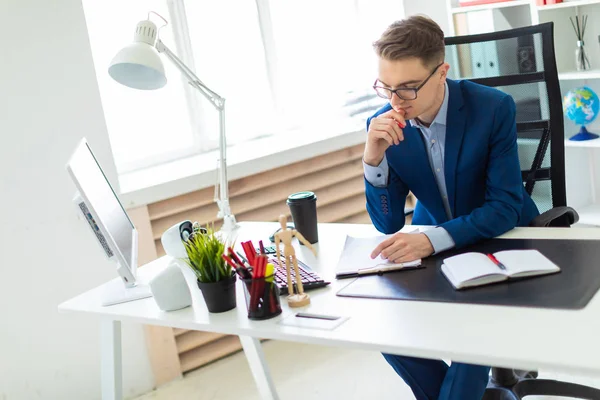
column 415, row 37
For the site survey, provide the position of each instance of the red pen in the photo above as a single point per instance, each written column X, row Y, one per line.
column 250, row 252
column 495, row 261
column 234, row 257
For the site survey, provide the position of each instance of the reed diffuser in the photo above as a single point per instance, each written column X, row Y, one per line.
column 582, row 62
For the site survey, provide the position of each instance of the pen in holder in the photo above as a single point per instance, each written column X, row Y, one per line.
column 262, row 298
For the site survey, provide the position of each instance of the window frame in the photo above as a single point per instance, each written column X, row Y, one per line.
column 197, row 111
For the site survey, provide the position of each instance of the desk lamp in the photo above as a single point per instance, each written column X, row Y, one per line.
column 138, row 65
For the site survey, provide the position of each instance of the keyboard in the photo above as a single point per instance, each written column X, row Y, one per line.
column 310, row 279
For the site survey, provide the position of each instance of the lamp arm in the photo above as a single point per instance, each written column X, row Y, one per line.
column 222, row 200
column 217, row 101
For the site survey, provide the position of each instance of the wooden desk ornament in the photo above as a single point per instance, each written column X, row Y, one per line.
column 285, row 236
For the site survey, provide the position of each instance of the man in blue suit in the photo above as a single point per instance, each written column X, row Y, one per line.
column 453, row 144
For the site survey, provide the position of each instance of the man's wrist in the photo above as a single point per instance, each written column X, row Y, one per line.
column 372, row 162
column 440, row 239
column 377, row 175
column 431, row 249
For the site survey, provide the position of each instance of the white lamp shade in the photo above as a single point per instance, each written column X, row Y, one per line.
column 138, row 65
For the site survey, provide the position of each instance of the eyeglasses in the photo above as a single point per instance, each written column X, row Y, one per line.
column 403, row 93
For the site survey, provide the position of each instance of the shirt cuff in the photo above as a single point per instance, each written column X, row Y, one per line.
column 377, row 176
column 440, row 239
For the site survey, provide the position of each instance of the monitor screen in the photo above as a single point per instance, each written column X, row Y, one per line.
column 100, row 197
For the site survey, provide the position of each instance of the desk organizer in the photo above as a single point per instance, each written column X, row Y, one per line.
column 262, row 298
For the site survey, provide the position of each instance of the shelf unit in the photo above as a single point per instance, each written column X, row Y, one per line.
column 516, row 3
column 581, row 158
column 505, row 4
column 590, row 144
column 567, row 4
column 579, row 75
column 589, row 214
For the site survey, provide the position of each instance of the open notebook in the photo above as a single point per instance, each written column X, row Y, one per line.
column 356, row 258
column 476, row 269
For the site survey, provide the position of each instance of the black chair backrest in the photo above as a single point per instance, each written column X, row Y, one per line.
column 521, row 63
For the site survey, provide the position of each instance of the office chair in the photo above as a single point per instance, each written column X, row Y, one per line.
column 521, row 62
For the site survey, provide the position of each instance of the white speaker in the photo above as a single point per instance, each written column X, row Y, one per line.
column 170, row 290
column 172, row 239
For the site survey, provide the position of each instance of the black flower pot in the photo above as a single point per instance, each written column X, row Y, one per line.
column 219, row 296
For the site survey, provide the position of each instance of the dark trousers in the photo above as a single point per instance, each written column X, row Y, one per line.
column 435, row 380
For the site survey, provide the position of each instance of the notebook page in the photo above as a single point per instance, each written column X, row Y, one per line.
column 521, row 261
column 473, row 282
column 471, row 265
column 357, row 255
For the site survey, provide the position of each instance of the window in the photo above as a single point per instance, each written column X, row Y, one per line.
column 230, row 59
column 281, row 66
column 318, row 59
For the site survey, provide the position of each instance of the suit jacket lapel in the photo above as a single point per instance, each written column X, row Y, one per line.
column 455, row 129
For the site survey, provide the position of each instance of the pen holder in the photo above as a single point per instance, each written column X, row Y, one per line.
column 262, row 298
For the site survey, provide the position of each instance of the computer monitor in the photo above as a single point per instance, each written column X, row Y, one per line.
column 107, row 218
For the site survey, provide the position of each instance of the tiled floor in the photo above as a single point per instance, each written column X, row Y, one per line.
column 302, row 372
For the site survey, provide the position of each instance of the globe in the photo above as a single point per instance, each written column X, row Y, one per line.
column 581, row 105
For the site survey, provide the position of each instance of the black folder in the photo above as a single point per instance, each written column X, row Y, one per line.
column 572, row 288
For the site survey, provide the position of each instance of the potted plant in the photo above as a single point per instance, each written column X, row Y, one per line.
column 216, row 279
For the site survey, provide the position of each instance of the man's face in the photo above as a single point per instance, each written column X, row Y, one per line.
column 410, row 73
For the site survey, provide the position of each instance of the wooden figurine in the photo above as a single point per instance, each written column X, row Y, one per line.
column 286, row 235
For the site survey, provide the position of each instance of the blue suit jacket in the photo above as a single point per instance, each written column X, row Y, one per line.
column 481, row 165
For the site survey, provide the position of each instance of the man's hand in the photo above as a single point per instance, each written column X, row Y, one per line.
column 404, row 247
column 384, row 131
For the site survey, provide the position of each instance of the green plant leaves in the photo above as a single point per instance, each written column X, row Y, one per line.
column 205, row 253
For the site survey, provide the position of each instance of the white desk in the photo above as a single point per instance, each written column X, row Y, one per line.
column 521, row 338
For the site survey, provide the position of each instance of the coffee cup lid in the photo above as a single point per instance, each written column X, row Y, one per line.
column 301, row 196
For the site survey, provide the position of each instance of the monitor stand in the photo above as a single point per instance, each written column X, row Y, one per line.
column 115, row 292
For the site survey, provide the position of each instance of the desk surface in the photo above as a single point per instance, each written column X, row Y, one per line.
column 491, row 335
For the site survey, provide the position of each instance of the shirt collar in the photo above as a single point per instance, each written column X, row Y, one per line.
column 440, row 118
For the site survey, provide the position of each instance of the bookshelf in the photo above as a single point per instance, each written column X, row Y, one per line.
column 582, row 159
column 579, row 75
column 491, row 6
column 567, row 4
column 589, row 214
column 589, row 144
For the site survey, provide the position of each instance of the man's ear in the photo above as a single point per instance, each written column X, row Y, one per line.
column 444, row 68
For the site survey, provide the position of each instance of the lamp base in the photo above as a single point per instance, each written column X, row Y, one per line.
column 229, row 223
column 583, row 135
column 229, row 229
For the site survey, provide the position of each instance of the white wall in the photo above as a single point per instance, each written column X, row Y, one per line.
column 49, row 100
column 434, row 9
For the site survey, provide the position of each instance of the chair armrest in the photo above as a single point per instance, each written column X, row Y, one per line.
column 558, row 216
